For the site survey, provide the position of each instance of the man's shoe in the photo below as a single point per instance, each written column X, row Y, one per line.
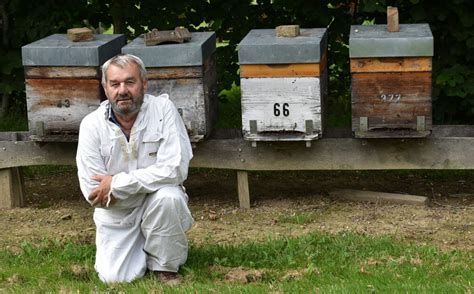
column 169, row 278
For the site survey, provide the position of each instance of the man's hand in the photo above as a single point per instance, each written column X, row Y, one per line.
column 99, row 195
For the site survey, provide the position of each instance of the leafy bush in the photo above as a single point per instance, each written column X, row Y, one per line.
column 451, row 23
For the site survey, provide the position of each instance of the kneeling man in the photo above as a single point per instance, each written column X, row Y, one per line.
column 132, row 158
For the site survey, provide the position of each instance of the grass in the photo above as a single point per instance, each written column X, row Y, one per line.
column 298, row 218
column 342, row 263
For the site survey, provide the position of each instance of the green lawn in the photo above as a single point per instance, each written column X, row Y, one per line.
column 342, row 263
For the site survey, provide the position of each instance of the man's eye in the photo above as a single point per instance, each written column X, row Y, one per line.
column 130, row 82
column 114, row 85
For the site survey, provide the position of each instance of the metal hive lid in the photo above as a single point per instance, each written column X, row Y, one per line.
column 263, row 47
column 58, row 50
column 191, row 53
column 376, row 41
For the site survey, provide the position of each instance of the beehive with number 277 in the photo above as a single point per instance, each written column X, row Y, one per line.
column 391, row 81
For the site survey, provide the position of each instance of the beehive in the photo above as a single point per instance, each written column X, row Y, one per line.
column 391, row 81
column 63, row 82
column 283, row 85
column 187, row 72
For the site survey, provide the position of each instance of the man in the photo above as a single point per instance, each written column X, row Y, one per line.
column 132, row 158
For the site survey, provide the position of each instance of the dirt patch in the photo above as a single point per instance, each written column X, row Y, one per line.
column 283, row 204
column 243, row 276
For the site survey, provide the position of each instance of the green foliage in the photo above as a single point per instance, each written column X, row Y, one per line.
column 15, row 120
column 230, row 113
column 451, row 22
column 340, row 263
column 29, row 21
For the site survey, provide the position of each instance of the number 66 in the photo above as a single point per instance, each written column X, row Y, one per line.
column 277, row 111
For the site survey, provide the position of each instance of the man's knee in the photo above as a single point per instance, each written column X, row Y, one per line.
column 168, row 197
column 165, row 207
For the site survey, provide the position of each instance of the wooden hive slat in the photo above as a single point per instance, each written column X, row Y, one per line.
column 391, row 64
column 61, row 103
column 411, row 98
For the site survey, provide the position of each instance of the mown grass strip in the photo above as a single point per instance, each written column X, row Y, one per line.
column 341, row 263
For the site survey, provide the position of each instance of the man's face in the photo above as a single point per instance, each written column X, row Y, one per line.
column 125, row 89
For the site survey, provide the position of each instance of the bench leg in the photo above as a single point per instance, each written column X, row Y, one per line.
column 11, row 187
column 243, row 189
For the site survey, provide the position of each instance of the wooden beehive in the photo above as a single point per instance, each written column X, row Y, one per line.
column 391, row 81
column 63, row 83
column 187, row 72
column 283, row 85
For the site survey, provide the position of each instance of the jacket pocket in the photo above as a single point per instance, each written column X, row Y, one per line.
column 150, row 145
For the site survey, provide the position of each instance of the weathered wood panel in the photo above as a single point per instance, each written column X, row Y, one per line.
column 188, row 97
column 324, row 83
column 281, row 104
column 61, row 72
column 338, row 154
column 324, row 60
column 176, row 72
column 243, row 189
column 324, row 154
column 279, row 70
column 391, row 100
column 380, row 197
column 391, row 64
column 61, row 103
column 210, row 93
column 11, row 188
column 193, row 90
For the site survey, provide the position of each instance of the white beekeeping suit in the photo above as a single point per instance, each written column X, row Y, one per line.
column 145, row 227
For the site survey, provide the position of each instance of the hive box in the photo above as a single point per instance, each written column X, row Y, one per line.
column 391, row 81
column 187, row 72
column 283, row 84
column 63, row 82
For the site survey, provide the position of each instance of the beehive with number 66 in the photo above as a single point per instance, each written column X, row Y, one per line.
column 391, row 80
column 283, row 83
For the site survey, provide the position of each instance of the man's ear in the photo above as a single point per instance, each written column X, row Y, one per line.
column 145, row 85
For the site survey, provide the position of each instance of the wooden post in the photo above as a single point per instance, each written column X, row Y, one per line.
column 243, row 189
column 392, row 19
column 11, row 187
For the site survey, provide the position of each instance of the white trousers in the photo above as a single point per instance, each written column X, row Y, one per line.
column 152, row 236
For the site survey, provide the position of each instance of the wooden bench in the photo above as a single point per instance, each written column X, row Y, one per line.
column 448, row 147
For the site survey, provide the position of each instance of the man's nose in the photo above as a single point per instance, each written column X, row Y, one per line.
column 122, row 88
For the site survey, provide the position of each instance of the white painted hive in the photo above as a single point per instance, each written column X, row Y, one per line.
column 283, row 85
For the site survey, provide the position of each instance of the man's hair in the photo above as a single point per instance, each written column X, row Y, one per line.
column 123, row 60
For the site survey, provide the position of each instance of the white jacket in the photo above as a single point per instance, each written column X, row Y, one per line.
column 156, row 155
